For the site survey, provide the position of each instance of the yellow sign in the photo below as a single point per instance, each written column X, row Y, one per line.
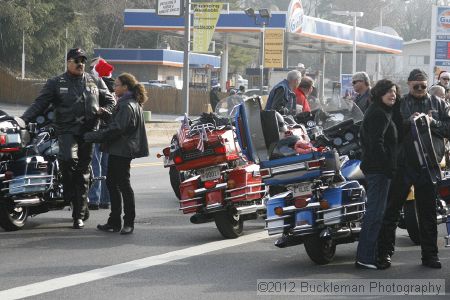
column 273, row 48
column 206, row 16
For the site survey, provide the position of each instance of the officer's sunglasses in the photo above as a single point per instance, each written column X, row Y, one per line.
column 419, row 87
column 78, row 61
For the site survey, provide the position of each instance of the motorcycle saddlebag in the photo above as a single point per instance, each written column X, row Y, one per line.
column 30, row 176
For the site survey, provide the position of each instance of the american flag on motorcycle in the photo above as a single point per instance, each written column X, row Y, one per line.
column 203, row 137
column 184, row 126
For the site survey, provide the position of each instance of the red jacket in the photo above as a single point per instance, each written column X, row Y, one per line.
column 301, row 100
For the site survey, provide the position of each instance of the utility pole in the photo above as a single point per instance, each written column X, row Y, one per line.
column 187, row 46
column 23, row 54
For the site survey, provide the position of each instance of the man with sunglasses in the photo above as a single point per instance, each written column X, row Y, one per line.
column 444, row 81
column 411, row 174
column 79, row 99
column 361, row 85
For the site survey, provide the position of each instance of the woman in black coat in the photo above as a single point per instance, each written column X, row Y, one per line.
column 379, row 138
column 124, row 139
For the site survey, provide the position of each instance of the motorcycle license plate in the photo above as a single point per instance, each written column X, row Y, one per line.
column 301, row 189
column 13, row 138
column 211, row 173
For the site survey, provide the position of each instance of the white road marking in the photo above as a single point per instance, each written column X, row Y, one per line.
column 42, row 287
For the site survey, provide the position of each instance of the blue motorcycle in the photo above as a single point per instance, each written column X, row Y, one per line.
column 310, row 201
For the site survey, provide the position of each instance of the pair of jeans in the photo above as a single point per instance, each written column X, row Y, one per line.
column 377, row 194
column 98, row 194
column 425, row 197
column 74, row 158
column 118, row 182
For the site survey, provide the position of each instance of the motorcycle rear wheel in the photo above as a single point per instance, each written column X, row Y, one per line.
column 321, row 251
column 175, row 181
column 11, row 218
column 411, row 221
column 229, row 226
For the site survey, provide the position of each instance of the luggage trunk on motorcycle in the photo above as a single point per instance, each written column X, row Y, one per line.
column 218, row 148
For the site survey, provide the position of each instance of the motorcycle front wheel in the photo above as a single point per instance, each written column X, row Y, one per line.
column 230, row 226
column 12, row 218
column 321, row 251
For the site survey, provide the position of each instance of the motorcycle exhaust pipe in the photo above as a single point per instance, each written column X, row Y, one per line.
column 341, row 233
column 243, row 210
column 27, row 202
column 200, row 219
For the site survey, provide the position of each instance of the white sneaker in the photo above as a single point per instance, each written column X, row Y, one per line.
column 362, row 265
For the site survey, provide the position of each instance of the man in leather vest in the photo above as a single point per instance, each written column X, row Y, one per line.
column 282, row 97
column 79, row 100
column 410, row 173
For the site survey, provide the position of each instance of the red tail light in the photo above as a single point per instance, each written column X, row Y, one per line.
column 2, row 139
column 166, row 151
column 300, row 202
column 220, row 150
column 178, row 159
column 314, row 164
column 444, row 192
column 7, row 150
column 9, row 175
column 210, row 184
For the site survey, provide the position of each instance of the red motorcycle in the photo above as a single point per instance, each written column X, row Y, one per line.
column 216, row 182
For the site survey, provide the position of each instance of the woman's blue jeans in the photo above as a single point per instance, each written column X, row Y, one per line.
column 377, row 194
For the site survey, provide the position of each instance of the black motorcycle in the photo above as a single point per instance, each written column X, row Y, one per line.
column 30, row 178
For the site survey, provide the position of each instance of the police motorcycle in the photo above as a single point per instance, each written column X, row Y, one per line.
column 219, row 185
column 315, row 205
column 30, row 179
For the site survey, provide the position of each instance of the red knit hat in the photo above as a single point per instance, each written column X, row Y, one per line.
column 103, row 69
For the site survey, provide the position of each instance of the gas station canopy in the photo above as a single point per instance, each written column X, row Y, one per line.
column 314, row 35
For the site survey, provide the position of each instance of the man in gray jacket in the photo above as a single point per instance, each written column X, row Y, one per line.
column 361, row 85
column 79, row 100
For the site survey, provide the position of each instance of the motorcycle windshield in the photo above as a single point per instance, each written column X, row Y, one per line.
column 227, row 106
column 338, row 112
column 314, row 104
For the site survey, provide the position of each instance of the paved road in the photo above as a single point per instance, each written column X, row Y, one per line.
column 167, row 257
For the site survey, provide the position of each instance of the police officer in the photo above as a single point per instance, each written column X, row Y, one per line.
column 79, row 99
column 410, row 174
